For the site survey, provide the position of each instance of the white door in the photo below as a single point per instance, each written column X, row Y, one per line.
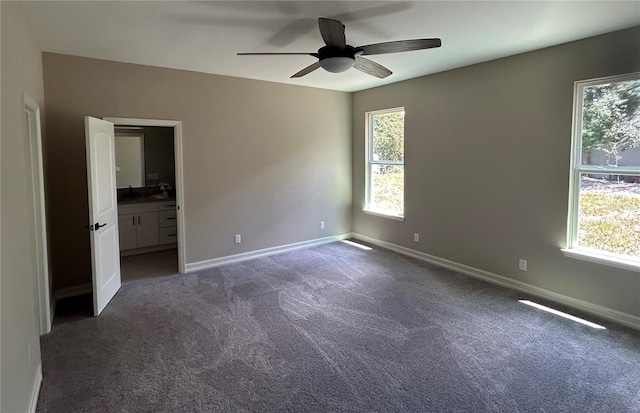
column 103, row 211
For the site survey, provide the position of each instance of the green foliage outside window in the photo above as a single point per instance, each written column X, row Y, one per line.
column 610, row 221
column 388, row 136
column 611, row 118
column 388, row 189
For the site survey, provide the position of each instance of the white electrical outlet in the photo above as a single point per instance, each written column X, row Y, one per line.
column 237, row 239
column 321, row 224
column 416, row 237
column 522, row 265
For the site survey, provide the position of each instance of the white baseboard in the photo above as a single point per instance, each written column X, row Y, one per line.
column 628, row 320
column 73, row 291
column 35, row 390
column 215, row 262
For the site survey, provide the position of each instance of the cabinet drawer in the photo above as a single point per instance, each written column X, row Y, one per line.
column 168, row 235
column 167, row 218
column 140, row 208
column 167, row 206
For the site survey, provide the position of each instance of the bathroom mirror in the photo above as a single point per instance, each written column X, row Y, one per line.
column 130, row 160
column 144, row 156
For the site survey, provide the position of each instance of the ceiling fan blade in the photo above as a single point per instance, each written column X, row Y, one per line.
column 307, row 70
column 276, row 54
column 371, row 68
column 332, row 32
column 399, row 46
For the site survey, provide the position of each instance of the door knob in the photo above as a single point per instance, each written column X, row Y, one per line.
column 98, row 226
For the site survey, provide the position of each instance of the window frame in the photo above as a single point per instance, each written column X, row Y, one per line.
column 369, row 162
column 573, row 249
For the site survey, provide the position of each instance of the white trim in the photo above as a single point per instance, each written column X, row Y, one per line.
column 177, row 142
column 383, row 215
column 574, row 176
column 216, row 262
column 604, row 79
column 626, row 319
column 73, row 291
column 602, row 258
column 34, row 140
column 35, row 390
column 141, row 122
column 610, row 170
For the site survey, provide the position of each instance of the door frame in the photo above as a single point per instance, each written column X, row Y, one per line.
column 177, row 146
column 31, row 121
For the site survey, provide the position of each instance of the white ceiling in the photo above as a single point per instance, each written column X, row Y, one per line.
column 205, row 36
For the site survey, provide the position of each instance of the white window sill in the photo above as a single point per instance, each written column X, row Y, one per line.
column 383, row 214
column 602, row 258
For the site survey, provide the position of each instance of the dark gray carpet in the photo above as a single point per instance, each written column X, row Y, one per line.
column 332, row 329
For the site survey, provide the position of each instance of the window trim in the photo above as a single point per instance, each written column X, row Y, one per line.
column 368, row 162
column 573, row 250
column 599, row 257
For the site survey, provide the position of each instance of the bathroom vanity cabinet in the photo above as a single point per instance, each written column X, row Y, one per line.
column 144, row 225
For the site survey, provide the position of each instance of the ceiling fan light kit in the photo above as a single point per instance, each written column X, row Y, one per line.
column 337, row 56
column 337, row 64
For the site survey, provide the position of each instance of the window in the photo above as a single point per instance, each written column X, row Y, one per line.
column 604, row 212
column 385, row 163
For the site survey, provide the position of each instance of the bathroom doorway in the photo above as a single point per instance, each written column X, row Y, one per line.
column 150, row 197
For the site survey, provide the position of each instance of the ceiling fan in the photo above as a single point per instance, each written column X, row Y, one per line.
column 337, row 56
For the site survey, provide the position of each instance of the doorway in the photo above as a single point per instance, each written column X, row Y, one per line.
column 145, row 260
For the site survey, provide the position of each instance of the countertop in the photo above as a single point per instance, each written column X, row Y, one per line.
column 142, row 199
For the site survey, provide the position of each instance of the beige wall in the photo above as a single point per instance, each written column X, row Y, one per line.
column 487, row 166
column 21, row 71
column 265, row 160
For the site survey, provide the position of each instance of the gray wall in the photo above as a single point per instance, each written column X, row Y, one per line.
column 21, row 71
column 265, row 160
column 159, row 155
column 487, row 166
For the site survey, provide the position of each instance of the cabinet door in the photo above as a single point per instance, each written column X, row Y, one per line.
column 127, row 225
column 148, row 234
